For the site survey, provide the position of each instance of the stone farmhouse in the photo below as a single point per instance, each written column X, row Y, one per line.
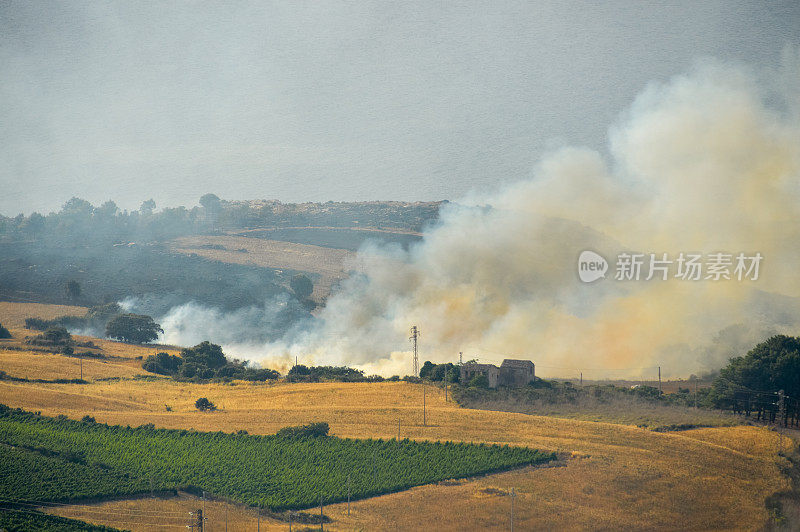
column 510, row 373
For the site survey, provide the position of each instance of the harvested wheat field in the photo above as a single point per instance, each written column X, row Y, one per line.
column 329, row 263
column 614, row 477
column 12, row 315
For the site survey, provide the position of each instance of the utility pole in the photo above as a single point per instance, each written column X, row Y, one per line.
column 659, row 379
column 291, row 514
column 513, row 494
column 413, row 338
column 198, row 520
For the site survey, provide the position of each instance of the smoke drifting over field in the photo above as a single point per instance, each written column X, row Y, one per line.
column 708, row 162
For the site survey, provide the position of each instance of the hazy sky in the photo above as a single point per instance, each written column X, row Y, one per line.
column 332, row 101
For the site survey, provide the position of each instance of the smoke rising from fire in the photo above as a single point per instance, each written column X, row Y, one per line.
column 706, row 162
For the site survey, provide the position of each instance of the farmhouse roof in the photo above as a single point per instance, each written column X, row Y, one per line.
column 511, row 363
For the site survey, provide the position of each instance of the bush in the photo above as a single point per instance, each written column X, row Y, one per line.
column 54, row 336
column 162, row 363
column 312, row 430
column 204, row 405
column 479, row 381
column 301, row 373
column 205, row 361
column 302, row 286
column 4, row 332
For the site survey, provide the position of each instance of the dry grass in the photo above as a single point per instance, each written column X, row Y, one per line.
column 328, row 263
column 19, row 360
column 619, row 477
column 33, row 365
column 12, row 315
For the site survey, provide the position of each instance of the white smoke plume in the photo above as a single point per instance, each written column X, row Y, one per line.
column 707, row 162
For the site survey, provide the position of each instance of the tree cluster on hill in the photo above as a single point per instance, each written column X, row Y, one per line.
column 771, row 366
column 95, row 319
column 203, row 362
column 108, row 320
column 437, row 372
column 301, row 373
column 79, row 220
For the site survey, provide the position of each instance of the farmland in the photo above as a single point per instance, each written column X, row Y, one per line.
column 613, row 475
column 66, row 460
column 327, row 265
column 713, row 478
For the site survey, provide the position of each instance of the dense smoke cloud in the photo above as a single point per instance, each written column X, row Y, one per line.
column 708, row 162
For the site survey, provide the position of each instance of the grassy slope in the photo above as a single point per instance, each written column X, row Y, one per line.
column 328, row 263
column 607, row 406
column 619, row 477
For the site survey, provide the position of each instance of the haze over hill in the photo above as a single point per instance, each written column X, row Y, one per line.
column 325, row 101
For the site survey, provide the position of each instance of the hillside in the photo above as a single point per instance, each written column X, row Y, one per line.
column 609, row 476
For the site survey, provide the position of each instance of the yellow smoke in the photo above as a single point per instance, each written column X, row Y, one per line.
column 700, row 164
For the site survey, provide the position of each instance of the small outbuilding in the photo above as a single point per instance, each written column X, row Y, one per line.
column 472, row 369
column 517, row 372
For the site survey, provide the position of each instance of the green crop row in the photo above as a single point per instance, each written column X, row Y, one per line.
column 62, row 459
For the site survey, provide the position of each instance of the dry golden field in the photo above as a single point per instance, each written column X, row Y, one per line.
column 328, row 263
column 617, row 477
column 18, row 359
column 613, row 477
column 12, row 315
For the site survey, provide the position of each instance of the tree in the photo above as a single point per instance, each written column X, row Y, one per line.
column 211, row 207
column 73, row 289
column 147, row 207
column 204, row 354
column 210, row 202
column 163, row 364
column 426, row 369
column 4, row 332
column 770, row 366
column 133, row 328
column 204, row 405
column 302, row 286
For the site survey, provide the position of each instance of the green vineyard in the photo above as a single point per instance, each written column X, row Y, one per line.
column 59, row 460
